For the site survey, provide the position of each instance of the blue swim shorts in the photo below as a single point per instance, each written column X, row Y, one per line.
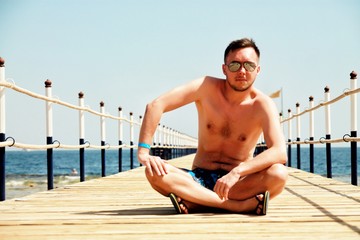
column 206, row 178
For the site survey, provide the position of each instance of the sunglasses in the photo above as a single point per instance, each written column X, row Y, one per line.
column 235, row 66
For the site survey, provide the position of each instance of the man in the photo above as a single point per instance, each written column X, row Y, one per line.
column 232, row 114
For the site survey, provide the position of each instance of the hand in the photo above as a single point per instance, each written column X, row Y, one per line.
column 224, row 184
column 153, row 164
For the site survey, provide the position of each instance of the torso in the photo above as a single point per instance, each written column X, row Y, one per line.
column 227, row 133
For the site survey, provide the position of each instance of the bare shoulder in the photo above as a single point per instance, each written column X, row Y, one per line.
column 192, row 91
column 207, row 84
column 264, row 102
column 206, row 81
column 270, row 123
column 213, row 81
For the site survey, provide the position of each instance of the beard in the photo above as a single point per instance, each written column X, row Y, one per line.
column 239, row 88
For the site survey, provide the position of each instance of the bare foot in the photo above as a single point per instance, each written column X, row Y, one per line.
column 180, row 205
column 263, row 200
column 190, row 207
column 183, row 206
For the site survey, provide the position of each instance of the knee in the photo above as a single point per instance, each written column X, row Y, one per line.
column 153, row 179
column 158, row 183
column 278, row 174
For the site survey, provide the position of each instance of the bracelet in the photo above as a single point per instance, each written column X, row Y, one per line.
column 144, row 145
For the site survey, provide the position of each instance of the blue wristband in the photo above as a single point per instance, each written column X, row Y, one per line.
column 144, row 145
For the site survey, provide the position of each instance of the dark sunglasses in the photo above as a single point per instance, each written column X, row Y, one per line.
column 235, row 66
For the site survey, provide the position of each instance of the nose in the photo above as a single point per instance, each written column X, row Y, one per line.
column 242, row 69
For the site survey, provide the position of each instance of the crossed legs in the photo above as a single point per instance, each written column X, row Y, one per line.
column 242, row 196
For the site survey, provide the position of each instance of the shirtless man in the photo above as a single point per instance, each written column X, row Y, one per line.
column 232, row 114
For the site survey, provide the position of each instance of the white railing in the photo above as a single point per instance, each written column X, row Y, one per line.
column 327, row 139
column 165, row 137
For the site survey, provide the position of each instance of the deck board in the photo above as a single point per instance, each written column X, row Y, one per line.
column 125, row 206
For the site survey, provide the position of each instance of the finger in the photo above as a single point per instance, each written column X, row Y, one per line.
column 222, row 193
column 149, row 169
column 158, row 163
column 226, row 192
column 155, row 166
column 161, row 165
column 217, row 189
column 165, row 166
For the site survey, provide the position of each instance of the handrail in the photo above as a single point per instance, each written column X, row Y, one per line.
column 352, row 137
column 167, row 141
column 322, row 104
column 75, row 107
column 320, row 141
column 57, row 101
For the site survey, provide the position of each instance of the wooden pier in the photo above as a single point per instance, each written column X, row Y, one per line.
column 124, row 206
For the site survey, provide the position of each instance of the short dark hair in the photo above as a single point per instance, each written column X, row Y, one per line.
column 241, row 43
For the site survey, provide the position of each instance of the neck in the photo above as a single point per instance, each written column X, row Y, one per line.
column 235, row 97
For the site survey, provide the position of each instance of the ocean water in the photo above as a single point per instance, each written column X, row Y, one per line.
column 26, row 170
column 26, row 163
column 341, row 162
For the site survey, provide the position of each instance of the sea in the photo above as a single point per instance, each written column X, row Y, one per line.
column 26, row 171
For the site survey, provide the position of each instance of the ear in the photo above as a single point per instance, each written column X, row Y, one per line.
column 224, row 69
column 258, row 70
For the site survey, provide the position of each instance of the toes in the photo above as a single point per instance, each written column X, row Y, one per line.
column 259, row 206
column 262, row 205
column 259, row 209
column 183, row 208
column 260, row 197
column 182, row 205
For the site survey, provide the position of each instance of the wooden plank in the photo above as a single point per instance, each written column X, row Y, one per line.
column 125, row 206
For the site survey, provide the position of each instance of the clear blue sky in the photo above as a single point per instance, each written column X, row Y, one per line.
column 126, row 53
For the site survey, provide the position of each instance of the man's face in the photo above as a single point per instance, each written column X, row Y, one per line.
column 242, row 79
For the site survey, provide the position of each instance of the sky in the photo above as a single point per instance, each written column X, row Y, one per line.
column 126, row 53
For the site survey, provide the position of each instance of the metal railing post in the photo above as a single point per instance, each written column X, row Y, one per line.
column 2, row 131
column 328, row 132
column 353, row 107
column 103, row 139
column 311, row 134
column 131, row 141
column 49, row 134
column 298, row 130
column 289, row 137
column 120, row 137
column 81, row 138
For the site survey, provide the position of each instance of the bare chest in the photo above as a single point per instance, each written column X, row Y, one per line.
column 229, row 122
column 225, row 141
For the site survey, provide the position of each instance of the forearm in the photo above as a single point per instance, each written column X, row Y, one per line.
column 262, row 161
column 151, row 119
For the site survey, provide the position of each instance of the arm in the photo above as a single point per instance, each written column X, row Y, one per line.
column 169, row 101
column 274, row 138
